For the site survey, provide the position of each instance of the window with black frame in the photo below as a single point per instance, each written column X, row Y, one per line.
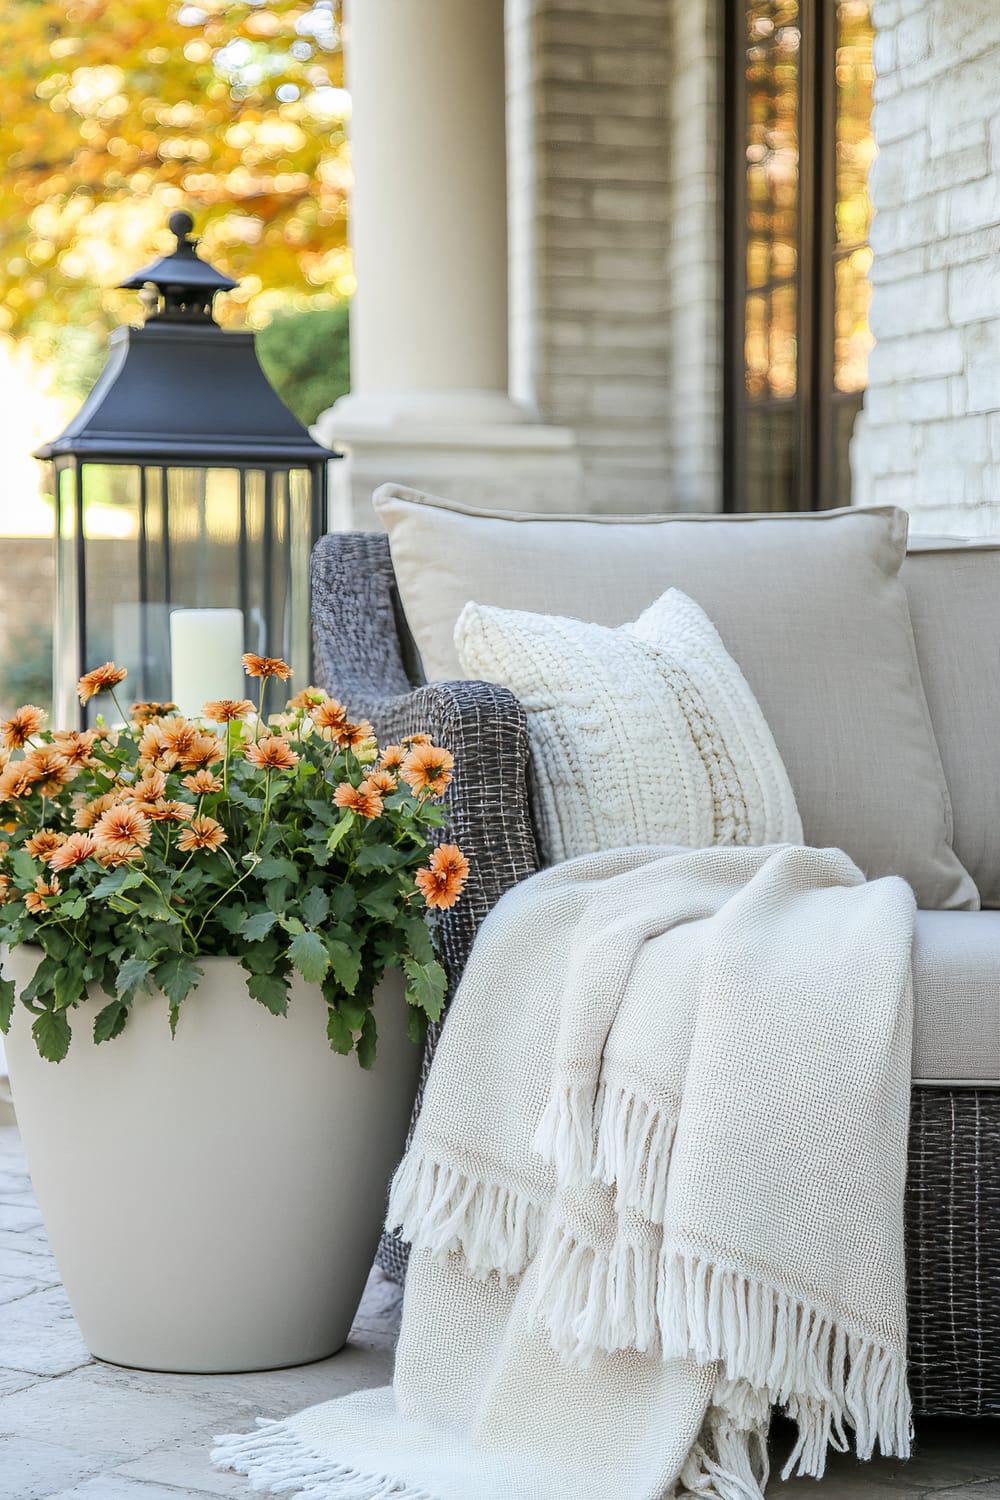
column 799, row 148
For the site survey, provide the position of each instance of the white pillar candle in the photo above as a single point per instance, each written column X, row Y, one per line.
column 206, row 647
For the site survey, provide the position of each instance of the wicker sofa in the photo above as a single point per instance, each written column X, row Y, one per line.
column 365, row 655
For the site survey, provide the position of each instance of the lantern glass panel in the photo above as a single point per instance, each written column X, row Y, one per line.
column 203, row 506
column 66, row 636
column 300, row 543
column 111, row 518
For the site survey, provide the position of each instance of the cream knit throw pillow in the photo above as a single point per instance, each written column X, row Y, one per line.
column 645, row 734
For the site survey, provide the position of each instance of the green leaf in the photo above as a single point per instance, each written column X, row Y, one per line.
column 110, row 1022
column 133, row 973
column 367, row 1042
column 272, row 992
column 175, row 1011
column 353, row 1011
column 426, row 987
column 416, row 1025
column 177, row 976
column 70, row 985
column 74, row 908
column 379, row 857
column 276, row 894
column 230, row 918
column 338, row 831
column 307, row 952
column 52, row 1034
column 323, row 812
column 276, row 867
column 339, row 1033
column 116, row 881
column 343, row 902
column 8, row 992
column 25, row 868
column 345, row 963
column 316, row 907
column 419, row 939
column 383, row 902
column 258, row 926
column 292, row 925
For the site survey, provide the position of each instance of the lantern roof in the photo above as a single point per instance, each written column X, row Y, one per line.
column 180, row 390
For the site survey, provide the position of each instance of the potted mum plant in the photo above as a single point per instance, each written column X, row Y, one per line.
column 217, row 929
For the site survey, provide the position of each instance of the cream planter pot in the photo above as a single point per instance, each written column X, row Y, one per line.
column 213, row 1202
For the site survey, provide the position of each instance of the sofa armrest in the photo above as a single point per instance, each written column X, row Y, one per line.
column 356, row 624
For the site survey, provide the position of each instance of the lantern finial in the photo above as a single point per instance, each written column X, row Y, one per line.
column 186, row 285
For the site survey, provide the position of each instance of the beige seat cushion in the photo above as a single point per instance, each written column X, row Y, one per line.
column 956, row 993
column 810, row 606
column 954, row 594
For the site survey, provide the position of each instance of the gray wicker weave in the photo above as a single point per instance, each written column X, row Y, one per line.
column 953, row 1198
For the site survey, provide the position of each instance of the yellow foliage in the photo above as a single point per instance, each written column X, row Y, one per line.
column 113, row 113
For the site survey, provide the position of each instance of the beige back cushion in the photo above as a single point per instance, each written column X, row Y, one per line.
column 810, row 606
column 954, row 594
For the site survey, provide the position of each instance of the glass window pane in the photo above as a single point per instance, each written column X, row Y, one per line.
column 771, row 457
column 111, row 510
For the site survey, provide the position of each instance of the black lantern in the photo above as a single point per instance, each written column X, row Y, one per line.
column 184, row 483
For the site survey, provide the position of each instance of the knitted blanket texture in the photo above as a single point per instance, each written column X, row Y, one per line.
column 656, row 1189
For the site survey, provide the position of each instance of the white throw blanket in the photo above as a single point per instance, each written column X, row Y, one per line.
column 655, row 1189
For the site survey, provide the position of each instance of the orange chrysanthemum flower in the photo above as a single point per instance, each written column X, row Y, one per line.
column 5, row 890
column 354, row 736
column 443, row 880
column 330, row 717
column 153, row 749
column 178, row 735
column 151, row 786
column 307, row 698
column 100, row 680
column 202, row 783
column 76, row 849
column 122, row 832
column 162, row 811
column 392, row 758
column 207, row 750
column 146, row 713
column 15, row 780
column 363, row 799
column 88, row 813
column 76, row 745
column 272, row 753
column 382, row 782
column 16, row 731
column 201, row 833
column 416, row 739
column 427, row 770
column 35, row 900
column 266, row 666
column 43, row 844
column 225, row 710
column 48, row 770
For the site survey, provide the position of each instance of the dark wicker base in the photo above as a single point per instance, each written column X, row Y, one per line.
column 953, row 1252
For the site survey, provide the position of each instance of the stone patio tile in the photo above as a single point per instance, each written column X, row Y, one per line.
column 12, row 1287
column 30, row 1469
column 118, row 1487
column 38, row 1333
column 15, row 1218
column 269, row 1393
column 25, row 1242
column 187, row 1465
column 119, row 1422
column 16, row 1380
column 36, row 1265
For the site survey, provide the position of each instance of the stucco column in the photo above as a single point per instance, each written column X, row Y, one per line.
column 429, row 403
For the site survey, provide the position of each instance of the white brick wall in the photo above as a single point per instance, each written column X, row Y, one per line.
column 930, row 436
column 616, row 245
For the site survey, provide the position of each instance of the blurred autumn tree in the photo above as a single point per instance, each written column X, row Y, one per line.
column 115, row 112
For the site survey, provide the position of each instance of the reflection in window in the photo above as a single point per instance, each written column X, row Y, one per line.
column 800, row 143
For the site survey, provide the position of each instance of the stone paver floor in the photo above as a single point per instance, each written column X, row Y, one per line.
column 72, row 1428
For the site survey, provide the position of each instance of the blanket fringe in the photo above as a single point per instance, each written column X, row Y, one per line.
column 274, row 1458
column 565, row 1133
column 441, row 1210
column 634, row 1142
column 681, row 1306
